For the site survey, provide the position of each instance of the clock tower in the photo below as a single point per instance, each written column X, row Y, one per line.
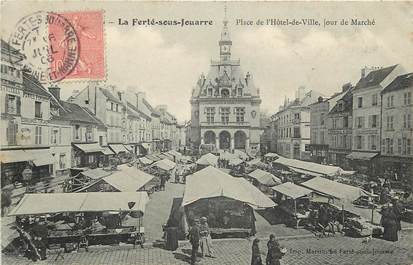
column 225, row 43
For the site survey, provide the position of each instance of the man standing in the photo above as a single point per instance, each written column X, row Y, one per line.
column 194, row 240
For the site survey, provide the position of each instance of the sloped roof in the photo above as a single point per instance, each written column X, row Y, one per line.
column 110, row 96
column 75, row 112
column 208, row 160
column 151, row 109
column 400, row 82
column 43, row 203
column 7, row 47
column 135, row 109
column 334, row 188
column 375, row 77
column 264, row 177
column 292, row 190
column 32, row 85
column 346, row 100
column 211, row 182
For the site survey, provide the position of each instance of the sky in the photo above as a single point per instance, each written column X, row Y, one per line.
column 165, row 62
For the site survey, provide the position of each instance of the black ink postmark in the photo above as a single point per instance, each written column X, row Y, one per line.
column 49, row 45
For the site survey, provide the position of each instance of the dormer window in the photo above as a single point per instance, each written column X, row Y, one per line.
column 225, row 93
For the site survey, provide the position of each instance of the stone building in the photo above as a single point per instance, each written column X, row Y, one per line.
column 320, row 141
column 293, row 124
column 339, row 129
column 397, row 127
column 367, row 121
column 225, row 104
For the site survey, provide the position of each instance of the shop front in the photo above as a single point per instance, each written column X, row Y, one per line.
column 87, row 155
column 363, row 162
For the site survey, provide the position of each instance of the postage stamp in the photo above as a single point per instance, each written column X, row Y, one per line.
column 60, row 46
column 88, row 26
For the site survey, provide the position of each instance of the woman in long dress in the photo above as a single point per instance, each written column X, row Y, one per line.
column 206, row 241
column 256, row 255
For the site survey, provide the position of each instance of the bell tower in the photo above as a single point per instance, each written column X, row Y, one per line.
column 225, row 42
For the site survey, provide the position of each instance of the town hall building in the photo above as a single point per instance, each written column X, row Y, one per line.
column 225, row 104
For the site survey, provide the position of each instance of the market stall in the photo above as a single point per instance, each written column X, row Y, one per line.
column 126, row 179
column 207, row 160
column 359, row 220
column 263, row 179
column 293, row 201
column 84, row 178
column 226, row 201
column 85, row 218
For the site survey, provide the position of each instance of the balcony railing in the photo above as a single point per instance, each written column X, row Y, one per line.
column 220, row 123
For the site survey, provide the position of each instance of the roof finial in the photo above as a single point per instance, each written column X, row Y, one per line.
column 225, row 14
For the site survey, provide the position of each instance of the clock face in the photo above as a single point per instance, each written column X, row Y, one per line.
column 225, row 48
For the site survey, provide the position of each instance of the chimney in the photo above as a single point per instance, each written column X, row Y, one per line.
column 139, row 97
column 55, row 91
column 345, row 87
column 367, row 69
column 320, row 99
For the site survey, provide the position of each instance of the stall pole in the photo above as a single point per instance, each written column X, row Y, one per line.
column 295, row 207
column 342, row 213
column 372, row 214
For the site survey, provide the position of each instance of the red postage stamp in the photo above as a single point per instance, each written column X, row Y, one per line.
column 88, row 26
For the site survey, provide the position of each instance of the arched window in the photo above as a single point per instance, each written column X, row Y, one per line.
column 225, row 93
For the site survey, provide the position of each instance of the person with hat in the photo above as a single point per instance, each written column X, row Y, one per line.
column 256, row 255
column 205, row 242
column 194, row 240
column 275, row 252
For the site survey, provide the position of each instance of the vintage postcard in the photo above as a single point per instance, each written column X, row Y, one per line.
column 206, row 132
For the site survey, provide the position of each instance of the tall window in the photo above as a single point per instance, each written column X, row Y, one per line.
column 38, row 135
column 360, row 102
column 372, row 142
column 37, row 109
column 345, row 122
column 62, row 161
column 239, row 114
column 13, row 104
column 297, row 132
column 389, row 124
column 373, row 121
column 390, row 101
column 374, row 100
column 210, row 114
column 89, row 134
column 12, row 133
column 359, row 142
column 359, row 122
column 77, row 132
column 322, row 118
column 407, row 123
column 54, row 135
column 225, row 115
column 407, row 98
column 399, row 146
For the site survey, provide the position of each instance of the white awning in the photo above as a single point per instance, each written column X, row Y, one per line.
column 145, row 161
column 361, row 155
column 49, row 203
column 41, row 156
column 107, row 151
column 13, row 156
column 165, row 164
column 90, row 148
column 211, row 182
column 128, row 179
column 118, row 148
column 291, row 190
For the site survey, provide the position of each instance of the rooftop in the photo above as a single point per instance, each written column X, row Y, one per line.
column 400, row 82
column 375, row 77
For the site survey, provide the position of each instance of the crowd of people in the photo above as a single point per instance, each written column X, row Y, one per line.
column 200, row 237
column 274, row 252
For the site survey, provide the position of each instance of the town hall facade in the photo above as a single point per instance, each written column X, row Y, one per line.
column 225, row 104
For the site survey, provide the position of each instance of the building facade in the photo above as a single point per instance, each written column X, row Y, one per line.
column 293, row 124
column 320, row 141
column 397, row 128
column 367, row 121
column 225, row 104
column 339, row 129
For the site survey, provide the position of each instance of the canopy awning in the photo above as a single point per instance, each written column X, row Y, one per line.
column 153, row 157
column 291, row 190
column 334, row 189
column 90, row 148
column 13, row 156
column 96, row 173
column 128, row 179
column 42, row 157
column 165, row 164
column 211, row 182
column 309, row 166
column 168, row 156
column 236, row 161
column 107, row 151
column 306, row 172
column 118, row 148
column 240, row 154
column 265, row 178
column 49, row 203
column 174, row 153
column 270, row 155
column 208, row 160
column 361, row 156
column 145, row 161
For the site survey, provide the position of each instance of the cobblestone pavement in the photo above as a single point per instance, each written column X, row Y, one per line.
column 308, row 251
